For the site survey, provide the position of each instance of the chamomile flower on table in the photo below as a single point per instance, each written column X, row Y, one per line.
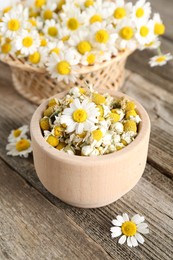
column 126, row 31
column 80, row 117
column 28, row 42
column 63, row 66
column 121, row 11
column 21, row 148
column 13, row 22
column 141, row 11
column 160, row 60
column 130, row 230
column 18, row 133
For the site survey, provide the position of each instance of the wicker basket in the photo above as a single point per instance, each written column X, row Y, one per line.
column 36, row 85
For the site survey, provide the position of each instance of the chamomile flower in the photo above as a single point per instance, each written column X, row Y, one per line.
column 80, row 117
column 21, row 148
column 80, row 42
column 89, row 58
column 130, row 230
column 141, row 11
column 48, row 11
column 51, row 29
column 35, row 23
column 56, row 47
column 62, row 66
column 38, row 58
column 72, row 19
column 159, row 27
column 144, row 34
column 6, row 48
column 160, row 60
column 121, row 11
column 126, row 31
column 18, row 133
column 154, row 44
column 13, row 22
column 103, row 37
column 27, row 42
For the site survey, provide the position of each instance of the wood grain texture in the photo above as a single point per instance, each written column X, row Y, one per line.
column 32, row 228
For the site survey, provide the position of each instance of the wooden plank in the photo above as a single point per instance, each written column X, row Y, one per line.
column 32, row 228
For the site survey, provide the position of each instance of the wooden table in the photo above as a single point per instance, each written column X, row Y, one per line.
column 36, row 225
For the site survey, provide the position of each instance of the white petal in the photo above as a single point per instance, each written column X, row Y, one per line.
column 125, row 217
column 137, row 219
column 122, row 240
column 116, row 223
column 143, row 230
column 142, row 225
column 139, row 238
column 134, row 241
column 115, row 234
column 120, row 219
column 129, row 243
column 115, row 229
column 79, row 128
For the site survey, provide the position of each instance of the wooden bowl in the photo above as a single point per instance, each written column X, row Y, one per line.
column 90, row 182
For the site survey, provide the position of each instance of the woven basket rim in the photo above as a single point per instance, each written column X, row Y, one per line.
column 20, row 64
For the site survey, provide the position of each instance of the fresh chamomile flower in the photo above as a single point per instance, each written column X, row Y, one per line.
column 35, row 23
column 18, row 133
column 36, row 3
column 160, row 60
column 90, row 58
column 6, row 48
column 13, row 22
column 27, row 42
column 126, row 31
column 80, row 41
column 129, row 229
column 72, row 18
column 38, row 58
column 56, row 47
column 117, row 127
column 141, row 11
column 121, row 11
column 22, row 148
column 103, row 37
column 48, row 11
column 51, row 29
column 154, row 44
column 144, row 34
column 62, row 66
column 80, row 117
column 159, row 27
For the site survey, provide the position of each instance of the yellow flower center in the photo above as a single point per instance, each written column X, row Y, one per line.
column 88, row 3
column 56, row 50
column 130, row 113
column 139, row 12
column 84, row 47
column 119, row 13
column 39, row 3
column 91, row 59
column 73, row 24
column 44, row 123
column 7, row 9
column 52, row 140
column 96, row 18
column 53, row 31
column 144, row 31
column 129, row 228
column 159, row 29
column 17, row 133
column 13, row 25
column 6, row 48
column 58, row 131
column 35, row 57
column 43, row 42
column 160, row 59
column 61, row 145
column 33, row 22
column 27, row 41
column 80, row 115
column 98, row 99
column 52, row 102
column 82, row 135
column 97, row 134
column 114, row 117
column 126, row 33
column 48, row 14
column 102, row 36
column 49, row 111
column 129, row 126
column 22, row 145
column 63, row 67
column 130, row 106
column 65, row 38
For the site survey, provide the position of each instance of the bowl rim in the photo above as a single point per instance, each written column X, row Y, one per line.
column 37, row 136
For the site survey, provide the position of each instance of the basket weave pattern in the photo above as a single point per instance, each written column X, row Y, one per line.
column 36, row 85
